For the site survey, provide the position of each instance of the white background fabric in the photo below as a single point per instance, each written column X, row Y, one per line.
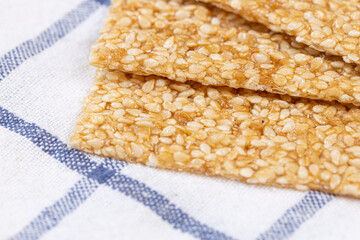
column 48, row 89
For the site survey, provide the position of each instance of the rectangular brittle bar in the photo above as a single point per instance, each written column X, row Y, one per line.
column 185, row 41
column 332, row 26
column 255, row 137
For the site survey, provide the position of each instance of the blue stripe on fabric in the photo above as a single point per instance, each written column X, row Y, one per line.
column 104, row 2
column 101, row 174
column 292, row 219
column 52, row 215
column 81, row 163
column 114, row 165
column 48, row 143
column 164, row 208
column 11, row 60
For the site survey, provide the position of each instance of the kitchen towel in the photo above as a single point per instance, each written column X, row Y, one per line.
column 50, row 191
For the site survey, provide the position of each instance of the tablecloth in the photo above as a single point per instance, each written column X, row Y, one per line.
column 50, row 191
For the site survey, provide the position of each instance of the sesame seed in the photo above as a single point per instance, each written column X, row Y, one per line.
column 181, row 157
column 246, row 172
column 96, row 143
column 151, row 63
column 208, row 29
column 260, row 57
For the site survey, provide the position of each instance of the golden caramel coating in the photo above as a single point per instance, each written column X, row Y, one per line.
column 255, row 137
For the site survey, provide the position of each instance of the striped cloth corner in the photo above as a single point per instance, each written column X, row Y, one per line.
column 51, row 191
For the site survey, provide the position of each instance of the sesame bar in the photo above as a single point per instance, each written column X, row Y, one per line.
column 255, row 137
column 331, row 26
column 184, row 41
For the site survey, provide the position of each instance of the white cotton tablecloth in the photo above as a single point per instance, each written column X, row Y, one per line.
column 50, row 191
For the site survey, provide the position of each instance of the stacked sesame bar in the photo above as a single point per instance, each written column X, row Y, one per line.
column 186, row 86
column 187, row 41
column 327, row 25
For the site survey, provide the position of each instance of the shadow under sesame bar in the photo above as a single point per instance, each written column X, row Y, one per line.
column 331, row 26
column 185, row 41
column 256, row 137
